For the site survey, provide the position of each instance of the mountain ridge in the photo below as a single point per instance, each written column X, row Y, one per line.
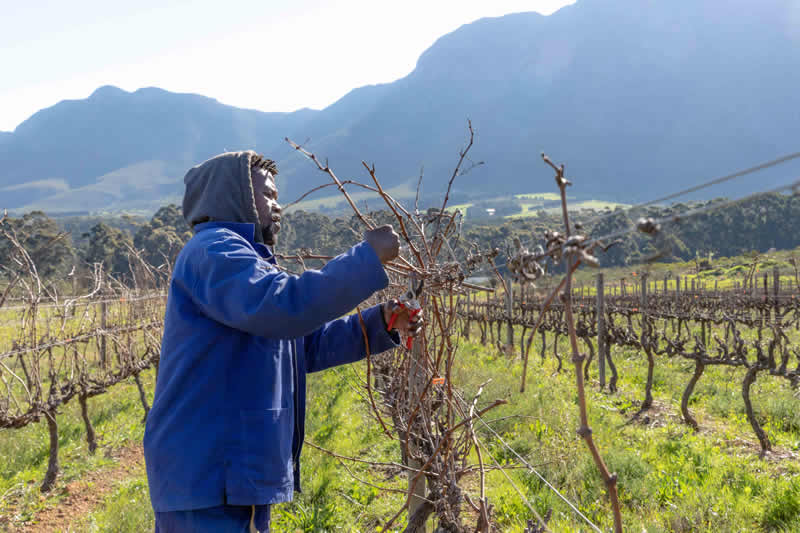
column 639, row 99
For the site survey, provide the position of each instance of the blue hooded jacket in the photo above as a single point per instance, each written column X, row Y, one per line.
column 228, row 418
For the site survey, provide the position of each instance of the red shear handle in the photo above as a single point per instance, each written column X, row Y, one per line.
column 411, row 314
column 394, row 317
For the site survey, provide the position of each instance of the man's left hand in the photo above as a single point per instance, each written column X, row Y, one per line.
column 408, row 327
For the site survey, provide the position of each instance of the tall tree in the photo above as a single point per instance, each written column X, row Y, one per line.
column 163, row 236
column 108, row 246
column 50, row 248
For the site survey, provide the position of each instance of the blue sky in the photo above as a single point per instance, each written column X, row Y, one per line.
column 266, row 55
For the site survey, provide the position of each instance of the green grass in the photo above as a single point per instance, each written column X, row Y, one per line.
column 127, row 508
column 671, row 479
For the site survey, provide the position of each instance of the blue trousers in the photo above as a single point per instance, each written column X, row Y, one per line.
column 221, row 519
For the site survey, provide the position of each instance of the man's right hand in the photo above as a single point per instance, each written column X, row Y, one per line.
column 384, row 241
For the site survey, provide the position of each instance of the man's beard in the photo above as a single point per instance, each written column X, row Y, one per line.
column 270, row 234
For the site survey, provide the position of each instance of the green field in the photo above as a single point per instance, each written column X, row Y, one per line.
column 670, row 478
column 549, row 196
column 532, row 205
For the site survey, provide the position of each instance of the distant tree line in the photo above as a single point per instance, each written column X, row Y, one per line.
column 58, row 246
column 719, row 227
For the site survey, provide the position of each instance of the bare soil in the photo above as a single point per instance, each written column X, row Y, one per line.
column 71, row 502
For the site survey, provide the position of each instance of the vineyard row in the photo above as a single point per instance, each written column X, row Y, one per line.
column 733, row 328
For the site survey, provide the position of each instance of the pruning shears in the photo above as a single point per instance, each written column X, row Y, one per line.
column 409, row 301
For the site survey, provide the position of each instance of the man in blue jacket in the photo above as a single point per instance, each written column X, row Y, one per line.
column 224, row 436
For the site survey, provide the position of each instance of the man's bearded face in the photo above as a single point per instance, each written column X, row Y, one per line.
column 267, row 206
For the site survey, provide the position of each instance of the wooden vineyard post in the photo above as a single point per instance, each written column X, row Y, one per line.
column 468, row 325
column 416, row 383
column 643, row 296
column 766, row 298
column 103, row 323
column 776, row 282
column 74, row 276
column 509, row 311
column 601, row 332
column 645, row 341
column 103, row 320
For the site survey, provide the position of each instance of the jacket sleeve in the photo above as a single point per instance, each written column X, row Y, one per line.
column 236, row 287
column 342, row 341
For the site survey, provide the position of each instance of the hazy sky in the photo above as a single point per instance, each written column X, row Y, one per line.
column 266, row 55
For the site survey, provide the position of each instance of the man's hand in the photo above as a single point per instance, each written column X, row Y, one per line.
column 402, row 324
column 384, row 241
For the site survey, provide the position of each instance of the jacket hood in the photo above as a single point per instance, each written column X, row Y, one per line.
column 221, row 190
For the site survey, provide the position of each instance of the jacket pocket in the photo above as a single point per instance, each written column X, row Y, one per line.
column 266, row 443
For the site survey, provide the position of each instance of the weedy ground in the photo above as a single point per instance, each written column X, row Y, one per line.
column 670, row 477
